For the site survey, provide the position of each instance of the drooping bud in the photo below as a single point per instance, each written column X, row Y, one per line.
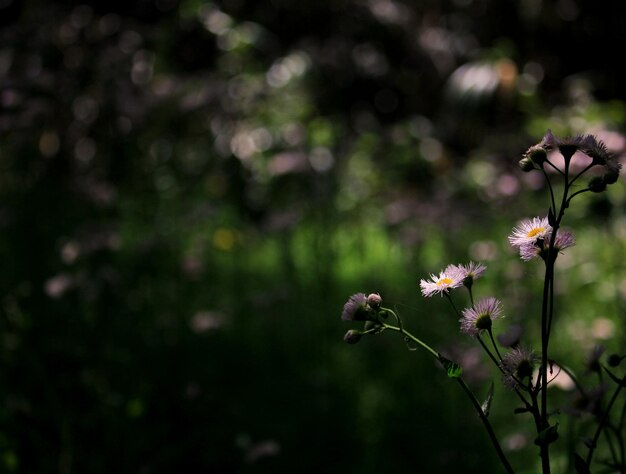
column 526, row 164
column 352, row 336
column 611, row 173
column 597, row 184
column 537, row 154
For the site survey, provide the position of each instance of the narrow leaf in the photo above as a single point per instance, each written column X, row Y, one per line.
column 453, row 369
column 486, row 406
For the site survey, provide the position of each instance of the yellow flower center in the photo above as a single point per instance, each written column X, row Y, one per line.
column 533, row 232
column 444, row 281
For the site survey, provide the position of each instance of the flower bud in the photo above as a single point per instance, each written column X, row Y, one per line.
column 614, row 360
column 537, row 154
column 352, row 336
column 374, row 300
column 597, row 184
column 526, row 164
column 611, row 175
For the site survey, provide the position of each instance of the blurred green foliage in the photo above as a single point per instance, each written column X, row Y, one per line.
column 190, row 190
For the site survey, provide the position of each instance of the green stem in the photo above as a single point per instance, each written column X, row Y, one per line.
column 466, row 389
column 410, row 336
column 487, row 425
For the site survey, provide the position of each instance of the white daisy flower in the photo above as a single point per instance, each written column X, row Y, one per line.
column 440, row 284
column 529, row 231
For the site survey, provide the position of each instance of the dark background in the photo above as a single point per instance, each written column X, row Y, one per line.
column 190, row 191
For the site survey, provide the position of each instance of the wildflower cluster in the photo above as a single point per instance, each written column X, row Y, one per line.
column 537, row 158
column 524, row 371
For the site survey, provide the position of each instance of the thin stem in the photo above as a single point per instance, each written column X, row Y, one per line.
column 544, row 446
column 601, row 425
column 495, row 346
column 619, row 434
column 553, row 166
column 577, row 193
column 487, row 425
column 452, row 303
column 551, row 296
column 489, row 353
column 553, row 204
column 407, row 334
column 466, row 389
column 547, row 313
column 609, row 442
column 581, row 173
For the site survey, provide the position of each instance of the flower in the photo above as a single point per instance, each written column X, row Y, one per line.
column 441, row 284
column 517, row 365
column 564, row 239
column 479, row 317
column 567, row 146
column 597, row 151
column 467, row 274
column 529, row 231
column 588, row 144
column 529, row 252
column 611, row 173
column 355, row 308
column 597, row 184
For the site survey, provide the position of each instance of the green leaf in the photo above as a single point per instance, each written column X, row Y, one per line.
column 453, row 369
column 580, row 465
column 487, row 403
column 548, row 435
